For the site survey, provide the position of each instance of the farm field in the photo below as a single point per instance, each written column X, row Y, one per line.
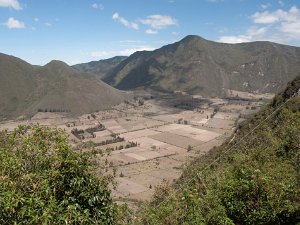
column 151, row 142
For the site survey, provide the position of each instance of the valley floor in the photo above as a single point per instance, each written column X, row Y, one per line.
column 153, row 140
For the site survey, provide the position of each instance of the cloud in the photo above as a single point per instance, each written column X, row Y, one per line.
column 14, row 24
column 150, row 31
column 291, row 28
column 288, row 22
column 116, row 17
column 255, row 31
column 123, row 52
column 48, row 24
column 278, row 26
column 281, row 3
column 97, row 54
column 97, row 6
column 265, row 6
column 130, row 51
column 10, row 4
column 267, row 17
column 234, row 39
column 36, row 19
column 158, row 22
column 252, row 33
column 223, row 30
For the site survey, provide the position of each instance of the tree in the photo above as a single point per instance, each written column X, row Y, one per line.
column 44, row 182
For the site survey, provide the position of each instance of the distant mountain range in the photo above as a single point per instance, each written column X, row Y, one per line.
column 101, row 67
column 199, row 66
column 193, row 65
column 26, row 89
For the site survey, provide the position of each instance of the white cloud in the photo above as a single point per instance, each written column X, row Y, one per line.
column 11, row 4
column 14, row 24
column 150, row 31
column 267, row 17
column 265, row 6
column 252, row 34
column 255, row 31
column 48, row 24
column 278, row 26
column 159, row 21
column 122, row 20
column 97, row 6
column 234, row 39
column 291, row 28
column 223, row 30
column 123, row 52
column 281, row 3
column 99, row 54
column 36, row 19
column 288, row 22
column 131, row 41
column 130, row 51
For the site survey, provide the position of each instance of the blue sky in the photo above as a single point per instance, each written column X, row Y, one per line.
column 85, row 30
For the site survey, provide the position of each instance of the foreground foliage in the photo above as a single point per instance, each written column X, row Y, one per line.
column 43, row 182
column 253, row 179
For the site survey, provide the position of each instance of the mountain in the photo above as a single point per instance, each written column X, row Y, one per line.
column 199, row 66
column 253, row 178
column 26, row 89
column 101, row 67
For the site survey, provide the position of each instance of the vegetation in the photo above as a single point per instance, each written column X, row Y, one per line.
column 252, row 179
column 193, row 65
column 99, row 127
column 43, row 182
column 115, row 139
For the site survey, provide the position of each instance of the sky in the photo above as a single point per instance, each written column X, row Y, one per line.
column 77, row 31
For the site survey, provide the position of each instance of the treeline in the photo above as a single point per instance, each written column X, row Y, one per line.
column 99, row 127
column 130, row 144
column 115, row 139
column 79, row 133
column 53, row 110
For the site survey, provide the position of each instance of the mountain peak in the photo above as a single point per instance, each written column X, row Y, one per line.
column 59, row 67
column 56, row 63
column 193, row 38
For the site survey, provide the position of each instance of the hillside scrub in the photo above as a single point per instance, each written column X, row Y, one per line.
column 43, row 182
column 253, row 179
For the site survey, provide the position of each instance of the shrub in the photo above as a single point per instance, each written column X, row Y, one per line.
column 43, row 182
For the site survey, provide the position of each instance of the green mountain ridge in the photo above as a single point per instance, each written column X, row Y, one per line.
column 199, row 66
column 25, row 89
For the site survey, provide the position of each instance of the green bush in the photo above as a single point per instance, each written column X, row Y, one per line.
column 43, row 182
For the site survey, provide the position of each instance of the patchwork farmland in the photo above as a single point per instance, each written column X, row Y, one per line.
column 149, row 143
